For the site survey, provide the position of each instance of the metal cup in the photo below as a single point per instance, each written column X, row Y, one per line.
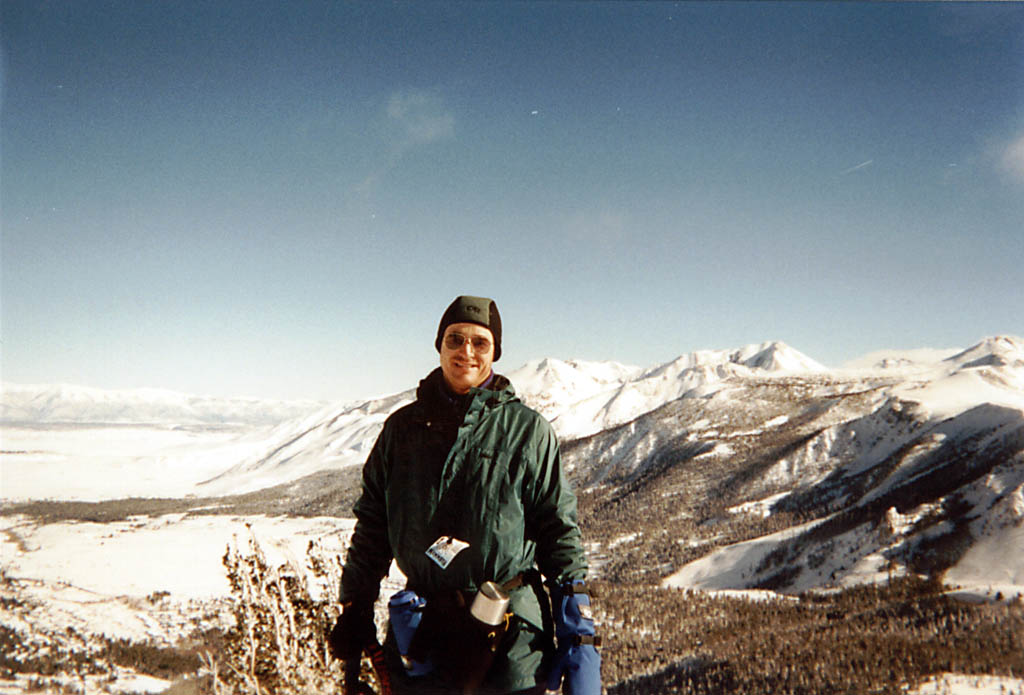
column 490, row 604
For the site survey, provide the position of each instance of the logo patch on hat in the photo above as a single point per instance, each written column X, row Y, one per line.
column 469, row 309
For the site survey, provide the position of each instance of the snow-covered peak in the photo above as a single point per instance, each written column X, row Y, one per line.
column 550, row 384
column 578, row 397
column 543, row 374
column 641, row 391
column 776, row 356
column 991, row 371
column 995, row 351
column 770, row 356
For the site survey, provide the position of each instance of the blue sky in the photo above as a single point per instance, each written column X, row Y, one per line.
column 280, row 199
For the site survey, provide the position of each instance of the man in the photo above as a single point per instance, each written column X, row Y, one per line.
column 463, row 487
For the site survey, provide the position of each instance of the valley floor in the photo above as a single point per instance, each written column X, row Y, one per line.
column 73, row 588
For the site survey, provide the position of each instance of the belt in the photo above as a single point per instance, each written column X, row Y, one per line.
column 530, row 577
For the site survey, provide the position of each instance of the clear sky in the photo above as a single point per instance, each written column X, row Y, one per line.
column 279, row 199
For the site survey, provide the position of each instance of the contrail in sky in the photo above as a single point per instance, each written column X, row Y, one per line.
column 859, row 166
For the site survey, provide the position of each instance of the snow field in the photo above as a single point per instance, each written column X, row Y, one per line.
column 98, row 577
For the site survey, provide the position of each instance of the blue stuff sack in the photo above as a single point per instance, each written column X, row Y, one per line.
column 405, row 610
column 577, row 666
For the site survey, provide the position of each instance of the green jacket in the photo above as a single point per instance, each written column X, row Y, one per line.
column 485, row 469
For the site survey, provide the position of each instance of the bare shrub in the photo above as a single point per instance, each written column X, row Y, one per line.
column 279, row 642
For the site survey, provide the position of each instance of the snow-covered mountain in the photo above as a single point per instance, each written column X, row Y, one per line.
column 752, row 469
column 63, row 403
column 821, row 479
column 883, row 465
column 550, row 385
column 998, row 351
column 579, row 398
column 696, row 373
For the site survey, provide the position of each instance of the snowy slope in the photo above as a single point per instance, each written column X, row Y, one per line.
column 333, row 438
column 769, row 422
column 696, row 373
column 551, row 386
column 915, row 475
column 578, row 397
column 744, row 469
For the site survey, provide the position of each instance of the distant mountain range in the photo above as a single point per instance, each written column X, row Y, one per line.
column 747, row 468
column 64, row 403
column 819, row 479
column 579, row 398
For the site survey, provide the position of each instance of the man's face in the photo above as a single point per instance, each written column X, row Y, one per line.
column 467, row 365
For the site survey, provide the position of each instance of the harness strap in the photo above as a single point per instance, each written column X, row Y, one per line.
column 532, row 578
column 514, row 583
column 581, row 588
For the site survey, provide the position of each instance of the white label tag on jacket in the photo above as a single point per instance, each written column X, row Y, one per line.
column 444, row 550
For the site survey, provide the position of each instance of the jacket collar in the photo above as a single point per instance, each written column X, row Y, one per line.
column 435, row 396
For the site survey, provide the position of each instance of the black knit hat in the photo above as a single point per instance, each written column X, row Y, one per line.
column 479, row 310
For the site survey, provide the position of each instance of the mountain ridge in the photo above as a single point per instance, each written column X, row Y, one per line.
column 577, row 397
column 746, row 468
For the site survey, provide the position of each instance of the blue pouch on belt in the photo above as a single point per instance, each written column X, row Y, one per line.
column 577, row 666
column 406, row 610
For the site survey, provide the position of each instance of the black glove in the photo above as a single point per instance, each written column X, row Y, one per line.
column 353, row 631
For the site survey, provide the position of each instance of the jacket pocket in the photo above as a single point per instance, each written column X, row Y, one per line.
column 504, row 501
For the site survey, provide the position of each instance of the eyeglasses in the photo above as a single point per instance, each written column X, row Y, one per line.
column 455, row 341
